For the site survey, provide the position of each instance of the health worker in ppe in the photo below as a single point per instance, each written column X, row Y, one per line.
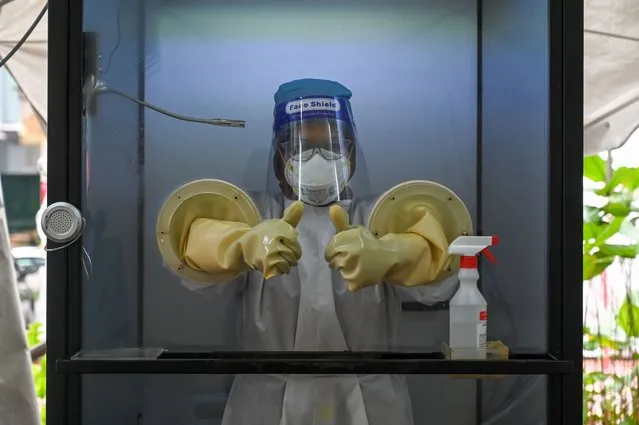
column 312, row 276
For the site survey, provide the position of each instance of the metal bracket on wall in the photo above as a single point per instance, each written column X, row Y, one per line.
column 416, row 306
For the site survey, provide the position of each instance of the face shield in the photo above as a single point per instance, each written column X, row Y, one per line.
column 315, row 149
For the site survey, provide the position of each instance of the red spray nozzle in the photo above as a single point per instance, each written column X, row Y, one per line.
column 489, row 255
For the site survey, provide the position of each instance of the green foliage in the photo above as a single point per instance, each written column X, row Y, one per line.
column 593, row 341
column 34, row 334
column 610, row 399
column 628, row 317
column 595, row 168
column 617, row 216
column 39, row 369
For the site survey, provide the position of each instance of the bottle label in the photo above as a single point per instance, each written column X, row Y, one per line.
column 481, row 335
column 482, row 329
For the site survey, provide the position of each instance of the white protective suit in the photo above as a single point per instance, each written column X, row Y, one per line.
column 310, row 307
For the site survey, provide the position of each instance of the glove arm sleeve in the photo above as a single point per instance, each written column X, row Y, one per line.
column 214, row 247
column 419, row 255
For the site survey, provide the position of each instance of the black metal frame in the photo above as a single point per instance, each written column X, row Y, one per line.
column 564, row 398
column 563, row 363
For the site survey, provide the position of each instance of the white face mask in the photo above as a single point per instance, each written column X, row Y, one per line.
column 317, row 181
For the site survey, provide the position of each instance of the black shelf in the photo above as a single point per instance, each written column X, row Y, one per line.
column 432, row 363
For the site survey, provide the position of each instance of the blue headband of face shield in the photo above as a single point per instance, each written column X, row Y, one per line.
column 310, row 87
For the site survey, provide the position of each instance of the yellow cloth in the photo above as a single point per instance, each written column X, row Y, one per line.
column 413, row 258
column 225, row 249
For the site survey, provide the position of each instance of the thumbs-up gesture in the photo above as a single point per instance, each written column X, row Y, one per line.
column 361, row 258
column 272, row 247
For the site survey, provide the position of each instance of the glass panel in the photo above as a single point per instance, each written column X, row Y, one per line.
column 186, row 269
column 514, row 186
column 366, row 400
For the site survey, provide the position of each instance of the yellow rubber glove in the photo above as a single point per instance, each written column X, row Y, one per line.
column 225, row 249
column 413, row 258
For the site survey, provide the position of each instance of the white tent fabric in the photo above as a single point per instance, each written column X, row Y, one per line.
column 29, row 65
column 611, row 73
column 18, row 403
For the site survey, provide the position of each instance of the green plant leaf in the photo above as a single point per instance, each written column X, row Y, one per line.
column 602, row 231
column 593, row 342
column 617, row 209
column 40, row 378
column 34, row 334
column 595, row 168
column 608, row 230
column 628, row 318
column 626, row 177
column 594, row 265
column 624, row 251
column 591, row 230
column 589, row 263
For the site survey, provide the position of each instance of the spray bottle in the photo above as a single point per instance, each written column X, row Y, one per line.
column 468, row 308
